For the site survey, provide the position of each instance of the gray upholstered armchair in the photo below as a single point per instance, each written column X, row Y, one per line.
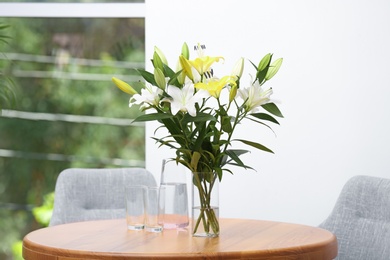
column 91, row 194
column 361, row 219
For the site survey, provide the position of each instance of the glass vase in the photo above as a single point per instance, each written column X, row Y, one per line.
column 205, row 204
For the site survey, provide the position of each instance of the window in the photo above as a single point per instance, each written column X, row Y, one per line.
column 61, row 57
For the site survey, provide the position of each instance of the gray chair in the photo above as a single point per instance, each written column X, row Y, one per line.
column 361, row 219
column 92, row 194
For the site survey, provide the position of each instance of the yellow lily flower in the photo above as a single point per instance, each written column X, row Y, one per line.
column 186, row 66
column 203, row 64
column 186, row 54
column 124, row 86
column 214, row 86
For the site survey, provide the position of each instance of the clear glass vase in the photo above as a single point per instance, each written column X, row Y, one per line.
column 205, row 204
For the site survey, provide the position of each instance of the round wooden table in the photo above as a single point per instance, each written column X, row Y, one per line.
column 239, row 239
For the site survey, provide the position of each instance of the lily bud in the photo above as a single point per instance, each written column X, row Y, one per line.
column 263, row 67
column 274, row 68
column 238, row 68
column 184, row 51
column 161, row 55
column 265, row 61
column 157, row 62
column 124, row 86
column 233, row 93
column 159, row 78
column 182, row 75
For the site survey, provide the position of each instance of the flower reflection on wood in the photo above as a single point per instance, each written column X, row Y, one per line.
column 201, row 112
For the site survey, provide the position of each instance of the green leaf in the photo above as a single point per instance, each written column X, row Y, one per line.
column 274, row 68
column 237, row 152
column 168, row 71
column 259, row 122
column 173, row 127
column 273, row 109
column 201, row 139
column 234, row 156
column 173, row 76
column 219, row 173
column 149, row 77
column 255, row 145
column 200, row 117
column 254, row 65
column 162, row 142
column 152, row 116
column 264, row 116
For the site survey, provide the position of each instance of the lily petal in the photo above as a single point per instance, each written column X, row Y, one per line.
column 203, row 64
column 186, row 66
column 214, row 86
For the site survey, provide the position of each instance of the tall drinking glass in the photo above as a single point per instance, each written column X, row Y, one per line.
column 135, row 207
column 173, row 179
column 155, row 205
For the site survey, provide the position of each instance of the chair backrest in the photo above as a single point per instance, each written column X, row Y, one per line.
column 92, row 194
column 361, row 219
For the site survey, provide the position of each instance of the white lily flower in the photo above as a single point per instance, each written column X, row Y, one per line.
column 254, row 96
column 184, row 99
column 150, row 96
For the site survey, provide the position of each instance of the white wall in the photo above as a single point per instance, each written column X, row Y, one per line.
column 333, row 88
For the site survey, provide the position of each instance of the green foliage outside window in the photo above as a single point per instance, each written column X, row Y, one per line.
column 7, row 89
column 53, row 64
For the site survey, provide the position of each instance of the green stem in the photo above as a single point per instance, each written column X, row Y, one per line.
column 207, row 214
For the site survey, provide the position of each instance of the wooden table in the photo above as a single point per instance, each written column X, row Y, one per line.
column 239, row 239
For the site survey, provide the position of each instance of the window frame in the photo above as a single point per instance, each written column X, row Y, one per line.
column 73, row 10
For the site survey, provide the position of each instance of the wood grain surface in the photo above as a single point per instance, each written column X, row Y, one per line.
column 239, row 239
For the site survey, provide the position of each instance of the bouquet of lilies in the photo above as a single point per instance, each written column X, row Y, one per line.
column 201, row 111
